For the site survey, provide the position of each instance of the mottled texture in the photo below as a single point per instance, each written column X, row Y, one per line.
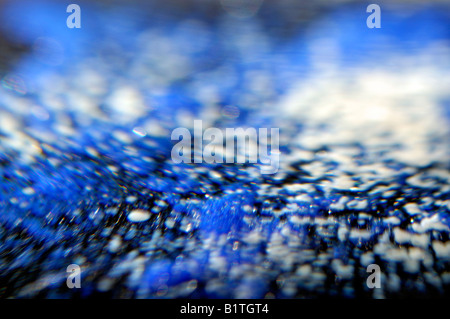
column 85, row 123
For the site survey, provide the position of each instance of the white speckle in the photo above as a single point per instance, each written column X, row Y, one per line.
column 115, row 244
column 360, row 234
column 402, row 236
column 339, row 205
column 247, row 208
column 420, row 254
column 364, row 216
column 105, row 284
column 412, row 266
column 170, row 223
column 405, row 237
column 393, row 282
column 412, row 209
column 343, row 182
column 342, row 233
column 433, row 279
column 295, row 188
column 446, row 277
column 429, row 223
column 303, row 198
column 28, row 191
column 394, row 254
column 122, row 137
column 389, row 193
column 131, row 199
column 304, row 270
column 138, row 215
column 319, row 221
column 392, row 220
column 126, row 103
column 253, row 237
column 299, row 221
column 357, row 204
column 112, row 168
column 139, row 131
column 154, row 128
column 442, row 249
column 422, row 240
column 92, row 151
column 344, row 271
column 186, row 226
column 111, row 210
column 215, row 175
column 367, row 259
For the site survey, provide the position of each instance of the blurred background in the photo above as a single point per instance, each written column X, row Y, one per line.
column 85, row 122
